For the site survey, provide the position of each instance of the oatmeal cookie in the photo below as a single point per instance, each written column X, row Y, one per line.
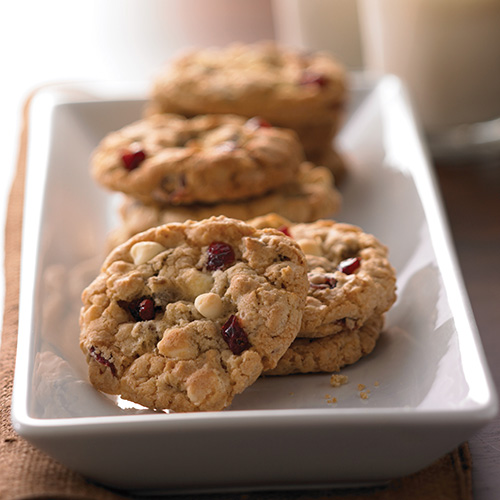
column 304, row 91
column 336, row 162
column 330, row 353
column 280, row 84
column 170, row 159
column 311, row 196
column 185, row 316
column 350, row 276
column 316, row 139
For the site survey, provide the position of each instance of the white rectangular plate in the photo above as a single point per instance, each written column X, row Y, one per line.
column 428, row 381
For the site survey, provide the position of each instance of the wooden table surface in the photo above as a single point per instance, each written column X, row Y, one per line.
column 471, row 194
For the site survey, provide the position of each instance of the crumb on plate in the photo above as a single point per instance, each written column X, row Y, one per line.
column 336, row 380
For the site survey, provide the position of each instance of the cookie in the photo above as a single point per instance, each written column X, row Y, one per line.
column 170, row 159
column 185, row 316
column 335, row 161
column 330, row 353
column 316, row 139
column 350, row 276
column 311, row 196
column 290, row 88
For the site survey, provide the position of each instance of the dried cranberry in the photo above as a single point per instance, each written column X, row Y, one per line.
column 220, row 256
column 132, row 158
column 313, row 78
column 142, row 309
column 235, row 336
column 348, row 266
column 285, row 231
column 146, row 309
column 101, row 359
column 257, row 122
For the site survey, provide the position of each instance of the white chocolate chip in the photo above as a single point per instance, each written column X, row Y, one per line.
column 195, row 282
column 177, row 344
column 316, row 279
column 310, row 247
column 145, row 250
column 209, row 305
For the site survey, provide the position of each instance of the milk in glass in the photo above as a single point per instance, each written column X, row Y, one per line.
column 446, row 51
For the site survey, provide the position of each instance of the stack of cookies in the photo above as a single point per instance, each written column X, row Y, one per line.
column 305, row 92
column 226, row 265
column 170, row 168
column 185, row 316
column 351, row 286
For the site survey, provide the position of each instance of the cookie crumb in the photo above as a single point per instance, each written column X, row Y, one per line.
column 361, row 387
column 336, row 380
column 376, row 383
column 331, row 400
column 364, row 394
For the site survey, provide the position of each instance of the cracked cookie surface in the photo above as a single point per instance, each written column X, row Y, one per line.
column 170, row 159
column 350, row 276
column 288, row 87
column 186, row 316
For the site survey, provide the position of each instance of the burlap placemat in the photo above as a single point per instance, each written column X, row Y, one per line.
column 27, row 473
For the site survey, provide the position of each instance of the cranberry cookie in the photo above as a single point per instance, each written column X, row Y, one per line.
column 311, row 196
column 350, row 276
column 170, row 159
column 336, row 162
column 330, row 353
column 304, row 91
column 186, row 316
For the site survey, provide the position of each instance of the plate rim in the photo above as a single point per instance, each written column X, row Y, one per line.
column 474, row 416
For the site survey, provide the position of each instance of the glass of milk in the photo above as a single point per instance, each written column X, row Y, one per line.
column 326, row 25
column 447, row 52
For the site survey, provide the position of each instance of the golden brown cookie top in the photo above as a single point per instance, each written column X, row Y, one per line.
column 350, row 276
column 279, row 83
column 186, row 316
column 170, row 159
